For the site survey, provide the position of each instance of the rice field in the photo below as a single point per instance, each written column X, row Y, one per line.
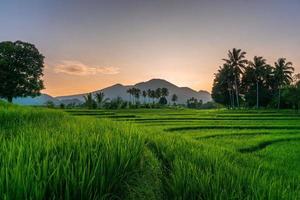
column 148, row 154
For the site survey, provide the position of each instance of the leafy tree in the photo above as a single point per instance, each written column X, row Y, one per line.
column 222, row 91
column 21, row 69
column 193, row 103
column 174, row 98
column 236, row 60
column 282, row 75
column 163, row 101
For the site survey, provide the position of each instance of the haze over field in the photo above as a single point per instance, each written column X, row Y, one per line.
column 95, row 44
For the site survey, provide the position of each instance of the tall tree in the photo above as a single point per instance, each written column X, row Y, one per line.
column 283, row 75
column 236, row 59
column 21, row 69
column 130, row 92
column 164, row 92
column 90, row 103
column 144, row 94
column 222, row 91
column 257, row 69
column 136, row 94
column 158, row 93
column 100, row 99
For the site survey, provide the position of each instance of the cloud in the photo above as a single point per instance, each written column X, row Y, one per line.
column 80, row 69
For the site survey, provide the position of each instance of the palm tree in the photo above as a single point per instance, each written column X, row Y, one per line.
column 158, row 93
column 152, row 95
column 136, row 94
column 164, row 92
column 258, row 67
column 130, row 92
column 89, row 101
column 283, row 75
column 100, row 99
column 144, row 94
column 174, row 98
column 236, row 59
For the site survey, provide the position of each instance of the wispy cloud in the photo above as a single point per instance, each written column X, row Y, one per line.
column 80, row 69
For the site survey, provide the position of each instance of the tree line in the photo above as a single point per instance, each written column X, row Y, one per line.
column 255, row 83
column 151, row 99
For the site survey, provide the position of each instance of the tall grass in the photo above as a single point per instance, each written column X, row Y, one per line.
column 47, row 154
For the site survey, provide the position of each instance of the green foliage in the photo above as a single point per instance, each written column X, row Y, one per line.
column 21, row 69
column 90, row 103
column 256, row 84
column 194, row 103
column 163, row 101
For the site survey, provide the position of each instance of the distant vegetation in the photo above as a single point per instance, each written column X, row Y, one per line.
column 138, row 99
column 244, row 83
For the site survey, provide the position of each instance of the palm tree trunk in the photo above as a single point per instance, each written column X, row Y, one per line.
column 279, row 96
column 257, row 98
column 237, row 92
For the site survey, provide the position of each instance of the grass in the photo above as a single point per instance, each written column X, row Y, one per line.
column 148, row 154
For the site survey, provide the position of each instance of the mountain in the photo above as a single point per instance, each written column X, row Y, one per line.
column 120, row 90
column 39, row 100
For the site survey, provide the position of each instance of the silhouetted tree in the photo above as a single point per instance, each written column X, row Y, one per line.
column 21, row 69
column 100, row 99
column 255, row 79
column 236, row 60
column 222, row 91
column 90, row 103
column 158, row 93
column 164, row 92
column 282, row 75
column 144, row 94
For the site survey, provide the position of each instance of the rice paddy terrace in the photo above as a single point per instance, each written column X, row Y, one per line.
column 262, row 143
column 148, row 154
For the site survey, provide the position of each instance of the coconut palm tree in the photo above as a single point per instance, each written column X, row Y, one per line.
column 136, row 94
column 89, row 101
column 144, row 94
column 282, row 75
column 130, row 92
column 158, row 93
column 164, row 92
column 258, row 68
column 236, row 59
column 100, row 99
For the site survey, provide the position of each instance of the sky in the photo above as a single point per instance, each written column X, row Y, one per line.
column 92, row 44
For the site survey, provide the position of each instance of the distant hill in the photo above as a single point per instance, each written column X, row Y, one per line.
column 120, row 90
column 114, row 91
column 39, row 100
